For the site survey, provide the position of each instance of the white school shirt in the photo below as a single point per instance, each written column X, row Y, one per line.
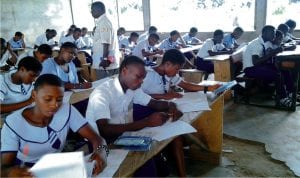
column 105, row 33
column 42, row 39
column 79, row 42
column 255, row 47
column 143, row 36
column 189, row 39
column 17, row 133
column 51, row 67
column 167, row 44
column 15, row 44
column 128, row 45
column 5, row 57
column 108, row 101
column 137, row 51
column 229, row 40
column 87, row 40
column 26, row 54
column 209, row 45
column 153, row 82
column 11, row 93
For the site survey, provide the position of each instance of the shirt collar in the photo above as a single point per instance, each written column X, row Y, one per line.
column 118, row 86
column 100, row 17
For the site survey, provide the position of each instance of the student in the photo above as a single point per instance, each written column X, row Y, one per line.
column 67, row 33
column 211, row 47
column 292, row 25
column 16, row 86
column 257, row 63
column 171, row 42
column 42, row 128
column 284, row 29
column 7, row 59
column 283, row 38
column 109, row 103
column 74, row 38
column 42, row 53
column 46, row 38
column 106, row 54
column 146, row 49
column 121, row 35
column 229, row 40
column 145, row 35
column 86, row 38
column 16, row 42
column 190, row 38
column 128, row 44
column 160, row 79
column 64, row 68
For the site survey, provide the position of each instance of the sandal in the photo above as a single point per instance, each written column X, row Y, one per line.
column 286, row 102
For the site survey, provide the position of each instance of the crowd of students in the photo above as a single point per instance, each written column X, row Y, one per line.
column 32, row 91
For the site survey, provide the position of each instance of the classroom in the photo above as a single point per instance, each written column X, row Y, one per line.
column 140, row 88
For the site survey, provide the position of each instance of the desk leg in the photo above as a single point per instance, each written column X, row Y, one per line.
column 223, row 73
column 209, row 128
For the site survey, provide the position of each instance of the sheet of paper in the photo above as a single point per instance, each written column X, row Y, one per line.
column 55, row 165
column 192, row 101
column 114, row 160
column 168, row 130
column 94, row 84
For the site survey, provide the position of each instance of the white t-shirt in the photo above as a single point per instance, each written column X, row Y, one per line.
column 143, row 36
column 87, row 40
column 42, row 39
column 26, row 54
column 105, row 34
column 209, row 45
column 79, row 42
column 15, row 44
column 153, row 82
column 5, row 57
column 51, row 67
column 108, row 101
column 190, row 40
column 167, row 44
column 137, row 51
column 255, row 47
column 17, row 133
column 12, row 93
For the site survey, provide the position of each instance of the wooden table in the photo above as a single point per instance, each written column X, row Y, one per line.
column 221, row 67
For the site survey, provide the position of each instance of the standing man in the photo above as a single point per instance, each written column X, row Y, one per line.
column 106, row 56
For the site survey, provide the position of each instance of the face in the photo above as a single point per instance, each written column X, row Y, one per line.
column 175, row 37
column 48, row 99
column 133, row 76
column 278, row 40
column 218, row 38
column 134, row 39
column 269, row 35
column 76, row 35
column 68, row 54
column 237, row 34
column 171, row 69
column 42, row 57
column 96, row 12
column 193, row 34
column 152, row 41
column 28, row 76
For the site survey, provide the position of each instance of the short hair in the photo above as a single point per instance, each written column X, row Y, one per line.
column 31, row 64
column 73, row 26
column 267, row 28
column 279, row 33
column 68, row 45
column 2, row 42
column 154, row 35
column 193, row 30
column 131, row 60
column 152, row 29
column 174, row 32
column 218, row 32
column 99, row 5
column 18, row 34
column 291, row 23
column 53, row 31
column 134, row 34
column 47, row 79
column 83, row 28
column 284, row 28
column 121, row 29
column 238, row 29
column 45, row 49
column 174, row 56
column 77, row 30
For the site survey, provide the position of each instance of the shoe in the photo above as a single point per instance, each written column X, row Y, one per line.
column 286, row 102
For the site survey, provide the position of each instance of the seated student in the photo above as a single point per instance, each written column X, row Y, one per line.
column 190, row 38
column 64, row 68
column 16, row 86
column 146, row 49
column 292, row 25
column 46, row 38
column 86, row 38
column 128, row 44
column 257, row 63
column 75, row 38
column 67, row 33
column 145, row 35
column 280, row 37
column 121, row 35
column 211, row 47
column 42, row 128
column 229, row 40
column 7, row 60
column 109, row 104
column 16, row 42
column 161, row 78
column 284, row 28
column 42, row 53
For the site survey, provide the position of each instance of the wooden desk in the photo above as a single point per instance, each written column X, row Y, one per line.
column 190, row 48
column 221, row 67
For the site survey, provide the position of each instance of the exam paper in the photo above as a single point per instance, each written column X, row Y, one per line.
column 192, row 101
column 168, row 130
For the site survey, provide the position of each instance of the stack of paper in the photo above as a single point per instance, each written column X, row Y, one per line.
column 192, row 101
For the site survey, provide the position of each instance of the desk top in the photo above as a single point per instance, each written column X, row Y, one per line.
column 221, row 57
column 295, row 52
column 190, row 48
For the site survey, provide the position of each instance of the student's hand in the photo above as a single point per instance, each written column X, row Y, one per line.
column 174, row 112
column 161, row 52
column 101, row 161
column 171, row 95
column 86, row 85
column 104, row 63
column 19, row 172
column 213, row 87
column 157, row 119
column 278, row 50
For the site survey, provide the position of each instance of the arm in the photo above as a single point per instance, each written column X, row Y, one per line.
column 85, row 85
column 9, row 170
column 195, row 87
column 258, row 60
column 166, row 106
column 5, row 108
column 166, row 96
column 105, row 63
column 147, row 53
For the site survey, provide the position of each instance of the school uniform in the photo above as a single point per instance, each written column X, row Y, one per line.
column 5, row 57
column 203, row 64
column 127, row 45
column 51, row 67
column 121, row 38
column 79, row 42
column 15, row 44
column 229, row 41
column 87, row 40
column 42, row 39
column 143, row 36
column 17, row 134
column 189, row 39
column 109, row 101
column 143, row 45
column 167, row 44
column 29, row 53
column 105, row 34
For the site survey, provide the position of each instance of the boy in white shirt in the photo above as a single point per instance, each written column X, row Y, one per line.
column 145, row 35
column 128, row 44
column 74, row 38
column 190, row 38
column 46, row 38
column 86, row 38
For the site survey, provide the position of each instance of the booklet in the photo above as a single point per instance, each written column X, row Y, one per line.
column 134, row 143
